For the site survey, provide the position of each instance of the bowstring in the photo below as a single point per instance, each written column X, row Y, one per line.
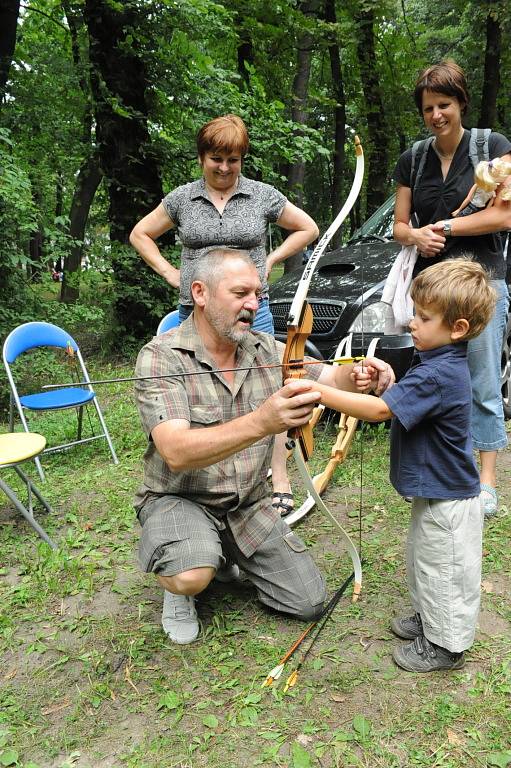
column 362, row 427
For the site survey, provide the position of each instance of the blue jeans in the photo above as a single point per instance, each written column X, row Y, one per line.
column 263, row 319
column 488, row 430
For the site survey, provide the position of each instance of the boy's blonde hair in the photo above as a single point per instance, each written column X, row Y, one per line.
column 457, row 288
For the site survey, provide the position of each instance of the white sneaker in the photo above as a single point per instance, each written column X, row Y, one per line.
column 489, row 500
column 179, row 618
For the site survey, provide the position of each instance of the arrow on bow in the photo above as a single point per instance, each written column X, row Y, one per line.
column 124, row 379
column 299, row 324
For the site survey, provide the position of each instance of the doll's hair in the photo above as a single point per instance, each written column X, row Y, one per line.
column 456, row 288
column 490, row 173
column 446, row 77
column 227, row 133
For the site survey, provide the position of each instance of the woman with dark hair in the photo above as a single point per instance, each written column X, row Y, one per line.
column 441, row 96
column 224, row 208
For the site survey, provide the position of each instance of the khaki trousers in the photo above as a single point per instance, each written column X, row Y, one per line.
column 444, row 554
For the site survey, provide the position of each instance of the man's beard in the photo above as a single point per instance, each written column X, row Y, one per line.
column 218, row 322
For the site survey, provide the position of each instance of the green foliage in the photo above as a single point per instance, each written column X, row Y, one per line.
column 17, row 210
column 203, row 58
column 17, row 220
column 139, row 294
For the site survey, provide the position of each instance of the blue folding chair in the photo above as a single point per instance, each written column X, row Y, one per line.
column 169, row 321
column 35, row 335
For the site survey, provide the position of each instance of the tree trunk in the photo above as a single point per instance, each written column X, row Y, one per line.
column 296, row 171
column 35, row 252
column 491, row 80
column 336, row 193
column 87, row 182
column 246, row 61
column 245, row 49
column 89, row 176
column 9, row 10
column 119, row 86
column 74, row 14
column 378, row 152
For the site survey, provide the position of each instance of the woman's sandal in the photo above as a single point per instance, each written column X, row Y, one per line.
column 283, row 501
column 489, row 500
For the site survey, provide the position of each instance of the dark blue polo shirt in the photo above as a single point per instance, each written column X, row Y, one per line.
column 431, row 453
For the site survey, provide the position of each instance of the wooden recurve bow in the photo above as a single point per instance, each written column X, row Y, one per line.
column 299, row 325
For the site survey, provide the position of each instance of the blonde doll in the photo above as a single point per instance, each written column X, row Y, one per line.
column 488, row 176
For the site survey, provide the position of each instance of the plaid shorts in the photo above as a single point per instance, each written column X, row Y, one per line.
column 179, row 535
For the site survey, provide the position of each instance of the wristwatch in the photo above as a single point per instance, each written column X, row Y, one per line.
column 447, row 228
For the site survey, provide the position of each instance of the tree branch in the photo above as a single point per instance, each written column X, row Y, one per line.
column 37, row 10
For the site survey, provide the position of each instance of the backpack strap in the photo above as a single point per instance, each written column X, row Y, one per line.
column 419, row 155
column 479, row 148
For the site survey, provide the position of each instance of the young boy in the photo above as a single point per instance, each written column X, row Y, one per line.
column 432, row 461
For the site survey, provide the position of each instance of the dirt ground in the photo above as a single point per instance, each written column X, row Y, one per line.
column 85, row 672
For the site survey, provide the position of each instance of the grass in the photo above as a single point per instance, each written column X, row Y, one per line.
column 88, row 679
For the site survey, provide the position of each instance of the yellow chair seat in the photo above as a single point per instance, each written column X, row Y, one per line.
column 19, row 446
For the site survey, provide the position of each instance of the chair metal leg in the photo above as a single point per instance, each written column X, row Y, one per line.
column 33, row 488
column 39, row 468
column 80, row 421
column 27, row 429
column 105, row 431
column 26, row 514
column 11, row 413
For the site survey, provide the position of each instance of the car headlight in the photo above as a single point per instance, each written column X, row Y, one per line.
column 371, row 319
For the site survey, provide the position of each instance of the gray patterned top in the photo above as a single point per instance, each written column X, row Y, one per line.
column 242, row 224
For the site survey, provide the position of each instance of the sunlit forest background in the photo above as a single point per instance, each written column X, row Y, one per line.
column 101, row 101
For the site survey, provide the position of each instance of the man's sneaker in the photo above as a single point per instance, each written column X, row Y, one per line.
column 407, row 627
column 423, row 656
column 179, row 618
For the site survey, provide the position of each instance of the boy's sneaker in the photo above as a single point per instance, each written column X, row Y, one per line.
column 423, row 656
column 179, row 618
column 407, row 627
